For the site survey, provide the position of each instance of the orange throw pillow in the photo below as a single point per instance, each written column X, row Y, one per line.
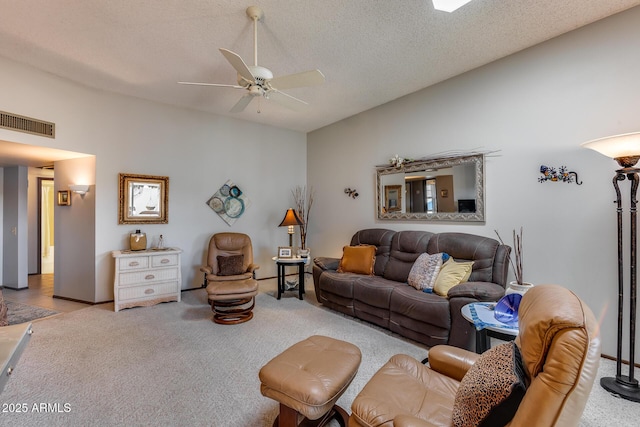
column 358, row 259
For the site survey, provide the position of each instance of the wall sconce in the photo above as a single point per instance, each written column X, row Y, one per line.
column 80, row 189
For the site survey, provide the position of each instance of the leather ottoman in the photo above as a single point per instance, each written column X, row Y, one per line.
column 308, row 378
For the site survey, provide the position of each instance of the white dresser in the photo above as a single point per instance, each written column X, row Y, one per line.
column 145, row 278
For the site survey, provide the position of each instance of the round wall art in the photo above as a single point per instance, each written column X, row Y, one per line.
column 229, row 202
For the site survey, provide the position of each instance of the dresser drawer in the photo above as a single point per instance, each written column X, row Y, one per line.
column 148, row 276
column 147, row 291
column 133, row 263
column 164, row 260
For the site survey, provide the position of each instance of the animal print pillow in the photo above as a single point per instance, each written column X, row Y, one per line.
column 492, row 389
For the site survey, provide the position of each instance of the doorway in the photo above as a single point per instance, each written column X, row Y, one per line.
column 46, row 248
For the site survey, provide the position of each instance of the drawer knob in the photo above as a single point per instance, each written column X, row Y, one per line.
column 149, row 291
column 9, row 370
column 165, row 261
column 149, row 276
column 134, row 263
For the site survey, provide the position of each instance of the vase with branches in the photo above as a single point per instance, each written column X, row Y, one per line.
column 517, row 255
column 303, row 200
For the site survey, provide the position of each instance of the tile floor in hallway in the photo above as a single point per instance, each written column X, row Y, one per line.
column 40, row 293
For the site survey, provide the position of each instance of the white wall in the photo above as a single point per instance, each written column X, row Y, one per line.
column 536, row 107
column 198, row 152
column 14, row 226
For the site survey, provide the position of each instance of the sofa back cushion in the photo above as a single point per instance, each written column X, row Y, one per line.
column 468, row 247
column 381, row 239
column 406, row 247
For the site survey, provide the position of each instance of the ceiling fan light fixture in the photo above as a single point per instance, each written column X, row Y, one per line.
column 449, row 5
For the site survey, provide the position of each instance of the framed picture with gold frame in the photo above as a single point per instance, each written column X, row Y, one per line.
column 393, row 198
column 143, row 199
column 64, row 198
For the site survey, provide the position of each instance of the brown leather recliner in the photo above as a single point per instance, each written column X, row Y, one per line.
column 560, row 349
column 230, row 278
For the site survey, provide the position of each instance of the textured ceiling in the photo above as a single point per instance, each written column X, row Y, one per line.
column 371, row 51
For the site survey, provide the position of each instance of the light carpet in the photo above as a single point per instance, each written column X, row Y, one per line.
column 20, row 313
column 171, row 365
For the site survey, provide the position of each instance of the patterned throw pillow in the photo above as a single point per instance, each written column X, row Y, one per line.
column 230, row 265
column 425, row 270
column 492, row 389
column 358, row 259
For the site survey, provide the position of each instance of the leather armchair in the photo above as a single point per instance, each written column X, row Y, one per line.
column 231, row 293
column 560, row 348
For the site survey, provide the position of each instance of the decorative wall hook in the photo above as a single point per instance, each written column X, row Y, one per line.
column 351, row 193
column 563, row 174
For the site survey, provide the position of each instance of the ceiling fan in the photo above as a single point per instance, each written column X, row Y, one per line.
column 259, row 81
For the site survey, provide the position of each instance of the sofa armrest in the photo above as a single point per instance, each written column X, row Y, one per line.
column 451, row 361
column 481, row 291
column 326, row 263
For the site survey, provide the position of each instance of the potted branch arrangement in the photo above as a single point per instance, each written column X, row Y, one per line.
column 519, row 285
column 303, row 201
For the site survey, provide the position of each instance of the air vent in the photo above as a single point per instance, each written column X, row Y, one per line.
column 27, row 125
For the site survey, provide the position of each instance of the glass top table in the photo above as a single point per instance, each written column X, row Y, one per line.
column 480, row 314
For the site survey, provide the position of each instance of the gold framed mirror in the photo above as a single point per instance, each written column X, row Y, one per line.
column 143, row 199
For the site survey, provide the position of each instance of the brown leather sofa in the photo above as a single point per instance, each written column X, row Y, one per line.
column 560, row 351
column 385, row 298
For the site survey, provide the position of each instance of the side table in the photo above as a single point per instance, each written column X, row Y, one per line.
column 480, row 314
column 282, row 263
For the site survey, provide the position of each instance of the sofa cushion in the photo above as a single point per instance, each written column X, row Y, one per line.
column 357, row 259
column 230, row 265
column 451, row 274
column 470, row 247
column 338, row 283
column 491, row 390
column 406, row 247
column 425, row 270
column 381, row 239
column 375, row 291
column 420, row 306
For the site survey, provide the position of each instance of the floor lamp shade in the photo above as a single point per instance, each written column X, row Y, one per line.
column 625, row 149
column 291, row 219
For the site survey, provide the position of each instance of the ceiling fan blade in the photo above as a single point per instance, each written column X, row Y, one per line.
column 306, row 78
column 211, row 84
column 286, row 100
column 236, row 62
column 242, row 104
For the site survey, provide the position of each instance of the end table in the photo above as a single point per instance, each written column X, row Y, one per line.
column 480, row 314
column 282, row 263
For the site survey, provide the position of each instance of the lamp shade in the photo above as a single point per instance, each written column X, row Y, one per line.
column 617, row 146
column 291, row 218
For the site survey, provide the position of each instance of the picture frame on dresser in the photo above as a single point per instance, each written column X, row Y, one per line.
column 143, row 199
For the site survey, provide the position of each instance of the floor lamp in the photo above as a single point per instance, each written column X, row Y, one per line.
column 625, row 149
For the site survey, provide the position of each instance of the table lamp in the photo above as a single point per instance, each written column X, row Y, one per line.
column 625, row 149
column 291, row 219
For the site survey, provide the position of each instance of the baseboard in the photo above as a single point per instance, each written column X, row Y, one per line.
column 624, row 362
column 79, row 300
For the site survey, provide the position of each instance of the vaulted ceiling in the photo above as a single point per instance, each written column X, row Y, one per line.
column 370, row 51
